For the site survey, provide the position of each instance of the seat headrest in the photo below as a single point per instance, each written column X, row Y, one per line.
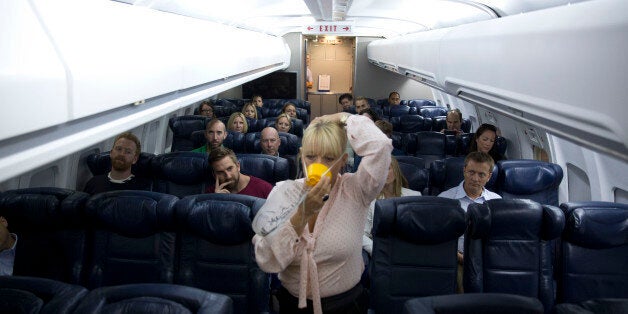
column 183, row 126
column 219, row 218
column 411, row 123
column 132, row 213
column 100, row 163
column 507, row 219
column 417, row 177
column 290, row 144
column 525, row 177
column 235, row 142
column 431, row 143
column 182, row 167
column 271, row 169
column 597, row 228
column 43, row 208
column 419, row 219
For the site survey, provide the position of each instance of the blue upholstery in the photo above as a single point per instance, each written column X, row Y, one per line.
column 181, row 173
column 216, row 243
column 418, row 103
column 414, row 249
column 432, row 111
column 133, row 240
column 430, row 146
column 593, row 306
column 501, row 145
column 416, row 161
column 440, row 122
column 530, row 179
column 594, row 254
column 397, row 140
column 100, row 163
column 254, row 125
column 38, row 295
column 271, row 169
column 182, row 128
column 51, row 234
column 507, row 250
column 485, row 303
column 461, row 144
column 417, row 177
column 448, row 173
column 410, row 124
column 154, row 298
column 401, row 110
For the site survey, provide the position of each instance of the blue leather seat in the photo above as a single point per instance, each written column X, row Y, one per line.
column 401, row 110
column 271, row 169
column 51, row 234
column 38, row 295
column 182, row 128
column 530, row 179
column 418, row 103
column 594, row 252
column 216, row 252
column 154, row 298
column 100, row 163
column 448, row 173
column 432, row 111
column 484, row 303
column 410, row 124
column 133, row 238
column 417, row 176
column 181, row 173
column 254, row 125
column 507, row 248
column 430, row 146
column 414, row 249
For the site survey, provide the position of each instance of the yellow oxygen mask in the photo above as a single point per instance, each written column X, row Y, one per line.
column 315, row 172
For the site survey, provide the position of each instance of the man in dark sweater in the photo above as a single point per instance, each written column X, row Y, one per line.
column 124, row 154
column 226, row 169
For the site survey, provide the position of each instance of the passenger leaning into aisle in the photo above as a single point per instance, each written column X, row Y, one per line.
column 318, row 250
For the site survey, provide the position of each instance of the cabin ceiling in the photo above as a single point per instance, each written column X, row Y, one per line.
column 385, row 18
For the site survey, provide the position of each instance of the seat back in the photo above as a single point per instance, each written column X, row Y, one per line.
column 485, row 303
column 440, row 122
column 430, row 146
column 154, row 298
column 182, row 128
column 418, row 103
column 216, row 243
column 449, row 172
column 100, row 163
column 414, row 249
column 529, row 179
column 133, row 238
column 507, row 249
column 181, row 173
column 401, row 110
column 38, row 295
column 50, row 230
column 594, row 252
column 417, row 177
column 410, row 124
column 271, row 169
column 432, row 111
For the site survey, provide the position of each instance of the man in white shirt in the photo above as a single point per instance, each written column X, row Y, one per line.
column 8, row 242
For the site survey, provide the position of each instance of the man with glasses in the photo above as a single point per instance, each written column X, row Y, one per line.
column 206, row 109
column 478, row 168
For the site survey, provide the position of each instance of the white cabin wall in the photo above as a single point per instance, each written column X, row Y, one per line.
column 296, row 43
column 373, row 82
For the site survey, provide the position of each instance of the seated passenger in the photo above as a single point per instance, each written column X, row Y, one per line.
column 290, row 109
column 206, row 109
column 215, row 134
column 124, row 154
column 237, row 123
column 361, row 103
column 396, row 186
column 394, row 99
column 346, row 101
column 226, row 170
column 478, row 168
column 283, row 123
column 387, row 129
column 371, row 114
column 8, row 242
column 454, row 123
column 484, row 141
column 257, row 101
column 249, row 110
column 270, row 141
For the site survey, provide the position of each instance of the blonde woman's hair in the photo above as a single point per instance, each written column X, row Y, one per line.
column 284, row 115
column 232, row 118
column 325, row 138
column 250, row 104
column 399, row 181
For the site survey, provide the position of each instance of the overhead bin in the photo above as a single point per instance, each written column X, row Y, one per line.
column 70, row 59
column 563, row 69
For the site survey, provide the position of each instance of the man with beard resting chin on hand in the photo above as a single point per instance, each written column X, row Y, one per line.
column 124, row 154
column 226, row 169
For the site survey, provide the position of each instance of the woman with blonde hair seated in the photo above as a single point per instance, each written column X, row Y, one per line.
column 396, row 186
column 317, row 250
column 283, row 123
column 249, row 110
column 237, row 123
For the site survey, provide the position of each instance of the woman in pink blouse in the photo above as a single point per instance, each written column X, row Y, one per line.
column 318, row 251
